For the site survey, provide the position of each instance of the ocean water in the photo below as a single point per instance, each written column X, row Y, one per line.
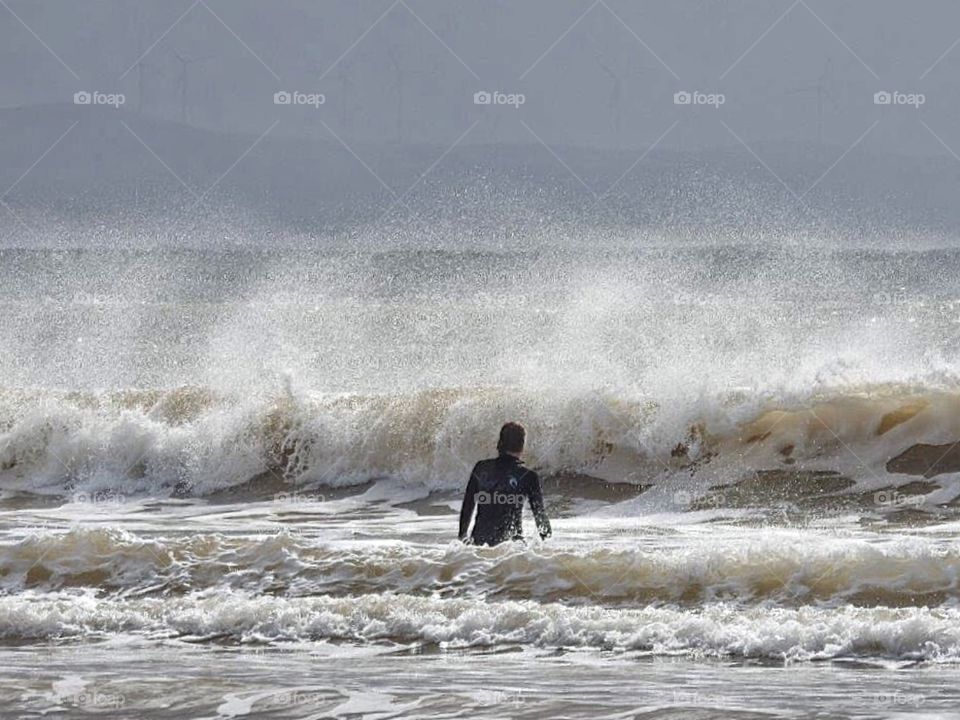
column 230, row 482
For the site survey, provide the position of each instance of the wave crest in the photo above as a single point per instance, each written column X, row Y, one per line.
column 784, row 567
column 196, row 441
column 917, row 634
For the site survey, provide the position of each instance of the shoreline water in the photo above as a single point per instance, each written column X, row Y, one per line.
column 332, row 681
column 251, row 487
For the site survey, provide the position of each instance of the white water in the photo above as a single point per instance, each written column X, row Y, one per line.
column 208, row 453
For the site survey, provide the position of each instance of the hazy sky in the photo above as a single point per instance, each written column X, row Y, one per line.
column 592, row 74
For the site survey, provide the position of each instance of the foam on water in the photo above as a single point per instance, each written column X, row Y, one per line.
column 193, row 440
column 715, row 630
column 143, row 373
column 739, row 380
column 788, row 567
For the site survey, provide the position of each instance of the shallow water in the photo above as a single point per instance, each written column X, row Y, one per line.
column 122, row 679
column 230, row 484
column 353, row 607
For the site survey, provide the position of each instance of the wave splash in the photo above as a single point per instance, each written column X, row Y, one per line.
column 783, row 567
column 193, row 440
column 913, row 634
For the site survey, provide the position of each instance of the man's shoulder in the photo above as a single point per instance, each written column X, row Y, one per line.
column 493, row 467
column 528, row 475
column 484, row 466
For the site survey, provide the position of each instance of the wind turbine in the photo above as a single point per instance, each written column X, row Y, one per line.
column 613, row 69
column 142, row 67
column 822, row 94
column 616, row 94
column 186, row 62
column 345, row 79
column 393, row 55
column 138, row 25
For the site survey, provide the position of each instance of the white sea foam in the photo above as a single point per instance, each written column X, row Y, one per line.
column 141, row 373
column 790, row 567
column 198, row 441
column 713, row 630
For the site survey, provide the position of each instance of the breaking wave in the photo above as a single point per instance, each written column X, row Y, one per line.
column 787, row 567
column 785, row 634
column 195, row 440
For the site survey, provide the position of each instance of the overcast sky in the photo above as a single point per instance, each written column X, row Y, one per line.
column 592, row 74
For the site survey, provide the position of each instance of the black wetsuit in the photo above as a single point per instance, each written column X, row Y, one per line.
column 497, row 489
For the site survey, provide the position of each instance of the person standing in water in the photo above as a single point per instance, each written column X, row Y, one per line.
column 497, row 488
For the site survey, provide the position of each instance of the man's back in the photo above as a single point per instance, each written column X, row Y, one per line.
column 497, row 489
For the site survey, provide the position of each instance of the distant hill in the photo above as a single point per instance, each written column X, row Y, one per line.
column 102, row 183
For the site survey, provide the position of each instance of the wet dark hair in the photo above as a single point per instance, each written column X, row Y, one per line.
column 512, row 437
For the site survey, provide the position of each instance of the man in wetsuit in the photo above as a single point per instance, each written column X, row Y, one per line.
column 497, row 488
